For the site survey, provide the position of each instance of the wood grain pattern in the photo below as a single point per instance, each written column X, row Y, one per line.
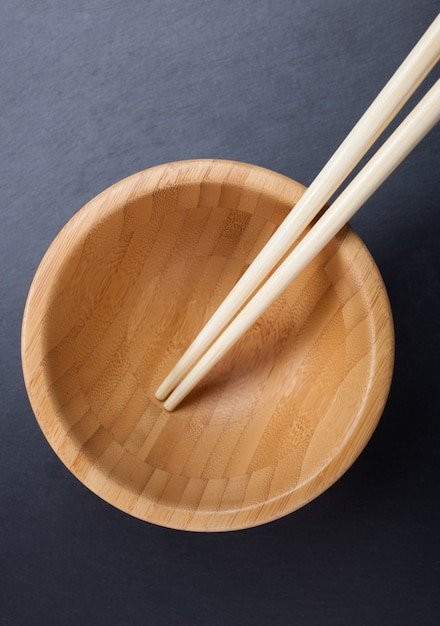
column 121, row 292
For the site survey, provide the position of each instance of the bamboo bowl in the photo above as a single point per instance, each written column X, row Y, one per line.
column 127, row 284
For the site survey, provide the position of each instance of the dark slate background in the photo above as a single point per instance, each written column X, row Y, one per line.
column 92, row 91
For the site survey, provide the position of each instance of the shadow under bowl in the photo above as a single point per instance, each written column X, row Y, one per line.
column 122, row 291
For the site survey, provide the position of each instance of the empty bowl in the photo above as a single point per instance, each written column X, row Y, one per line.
column 120, row 294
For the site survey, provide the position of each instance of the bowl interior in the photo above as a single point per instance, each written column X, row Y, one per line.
column 120, row 294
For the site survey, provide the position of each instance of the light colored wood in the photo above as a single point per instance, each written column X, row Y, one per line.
column 409, row 133
column 125, row 286
column 390, row 100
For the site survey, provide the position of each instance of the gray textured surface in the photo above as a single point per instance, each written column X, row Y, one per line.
column 91, row 92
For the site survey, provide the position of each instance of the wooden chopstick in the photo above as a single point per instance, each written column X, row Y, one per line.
column 390, row 100
column 415, row 126
column 410, row 132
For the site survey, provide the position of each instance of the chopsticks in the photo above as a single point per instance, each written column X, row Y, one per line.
column 209, row 346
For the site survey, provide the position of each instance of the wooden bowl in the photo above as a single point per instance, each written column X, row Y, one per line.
column 122, row 290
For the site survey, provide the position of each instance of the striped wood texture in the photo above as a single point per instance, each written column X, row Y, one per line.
column 130, row 281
